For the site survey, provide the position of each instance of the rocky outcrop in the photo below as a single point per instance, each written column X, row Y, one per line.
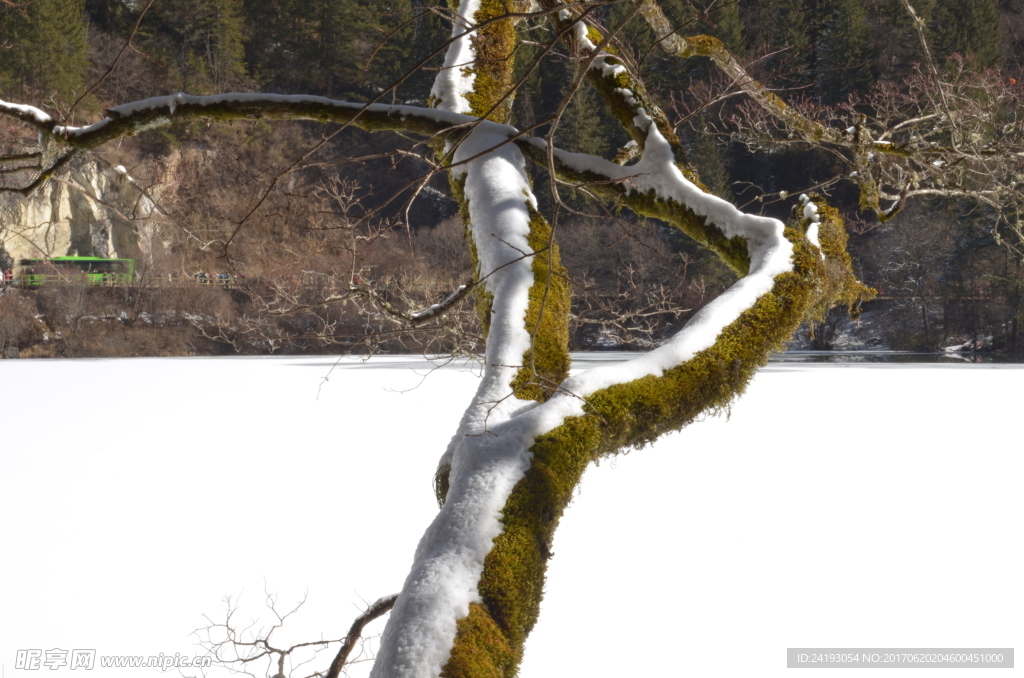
column 90, row 210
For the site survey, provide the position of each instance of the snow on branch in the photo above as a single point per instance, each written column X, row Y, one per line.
column 921, row 140
column 625, row 94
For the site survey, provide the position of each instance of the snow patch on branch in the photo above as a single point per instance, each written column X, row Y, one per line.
column 434, row 309
column 627, row 95
column 173, row 102
column 579, row 28
column 583, row 36
column 73, row 132
column 642, row 120
column 771, row 254
column 499, row 196
column 608, row 69
column 811, row 212
column 457, row 77
column 37, row 115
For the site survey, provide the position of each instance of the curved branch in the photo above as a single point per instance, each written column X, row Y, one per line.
column 376, row 610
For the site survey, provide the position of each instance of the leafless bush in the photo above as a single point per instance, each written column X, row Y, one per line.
column 630, row 287
column 64, row 309
column 255, row 652
column 16, row 313
column 934, row 136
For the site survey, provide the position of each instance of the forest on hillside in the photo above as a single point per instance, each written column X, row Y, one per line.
column 314, row 243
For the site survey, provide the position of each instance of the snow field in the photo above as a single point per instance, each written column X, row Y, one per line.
column 136, row 493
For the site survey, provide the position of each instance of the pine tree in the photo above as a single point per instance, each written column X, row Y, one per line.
column 843, row 63
column 404, row 49
column 895, row 41
column 669, row 74
column 966, row 27
column 707, row 158
column 110, row 16
column 789, row 33
column 46, row 53
column 729, row 27
column 341, row 23
column 205, row 42
column 581, row 129
column 277, row 39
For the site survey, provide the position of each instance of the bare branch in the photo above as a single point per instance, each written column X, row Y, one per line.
column 376, row 610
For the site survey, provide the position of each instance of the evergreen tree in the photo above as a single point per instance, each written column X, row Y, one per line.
column 719, row 18
column 788, row 32
column 405, row 48
column 966, row 27
column 110, row 16
column 323, row 46
column 894, row 38
column 278, row 35
column 707, row 158
column 46, row 53
column 581, row 129
column 339, row 24
column 729, row 27
column 843, row 63
column 204, row 42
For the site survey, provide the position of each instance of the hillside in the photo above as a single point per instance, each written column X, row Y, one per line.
column 194, row 200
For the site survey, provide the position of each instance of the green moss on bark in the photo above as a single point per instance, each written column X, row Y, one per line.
column 732, row 251
column 494, row 45
column 484, row 299
column 480, row 649
column 546, row 362
column 839, row 286
column 631, row 415
column 625, row 112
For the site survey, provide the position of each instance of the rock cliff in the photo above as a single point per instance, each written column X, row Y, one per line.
column 92, row 210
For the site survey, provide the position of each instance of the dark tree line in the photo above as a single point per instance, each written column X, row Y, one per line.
column 825, row 49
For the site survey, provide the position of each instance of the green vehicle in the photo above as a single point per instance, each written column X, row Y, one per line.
column 74, row 270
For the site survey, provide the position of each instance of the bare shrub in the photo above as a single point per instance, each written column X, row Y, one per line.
column 632, row 287
column 16, row 313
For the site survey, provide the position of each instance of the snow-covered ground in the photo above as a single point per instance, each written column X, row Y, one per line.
column 839, row 506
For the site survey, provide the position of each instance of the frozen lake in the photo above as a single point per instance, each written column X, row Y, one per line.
column 874, row 505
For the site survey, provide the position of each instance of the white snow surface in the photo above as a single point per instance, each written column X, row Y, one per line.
column 39, row 116
column 456, row 79
column 811, row 212
column 583, row 35
column 127, row 518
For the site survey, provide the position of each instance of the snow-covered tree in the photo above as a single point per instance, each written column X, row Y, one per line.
column 473, row 593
